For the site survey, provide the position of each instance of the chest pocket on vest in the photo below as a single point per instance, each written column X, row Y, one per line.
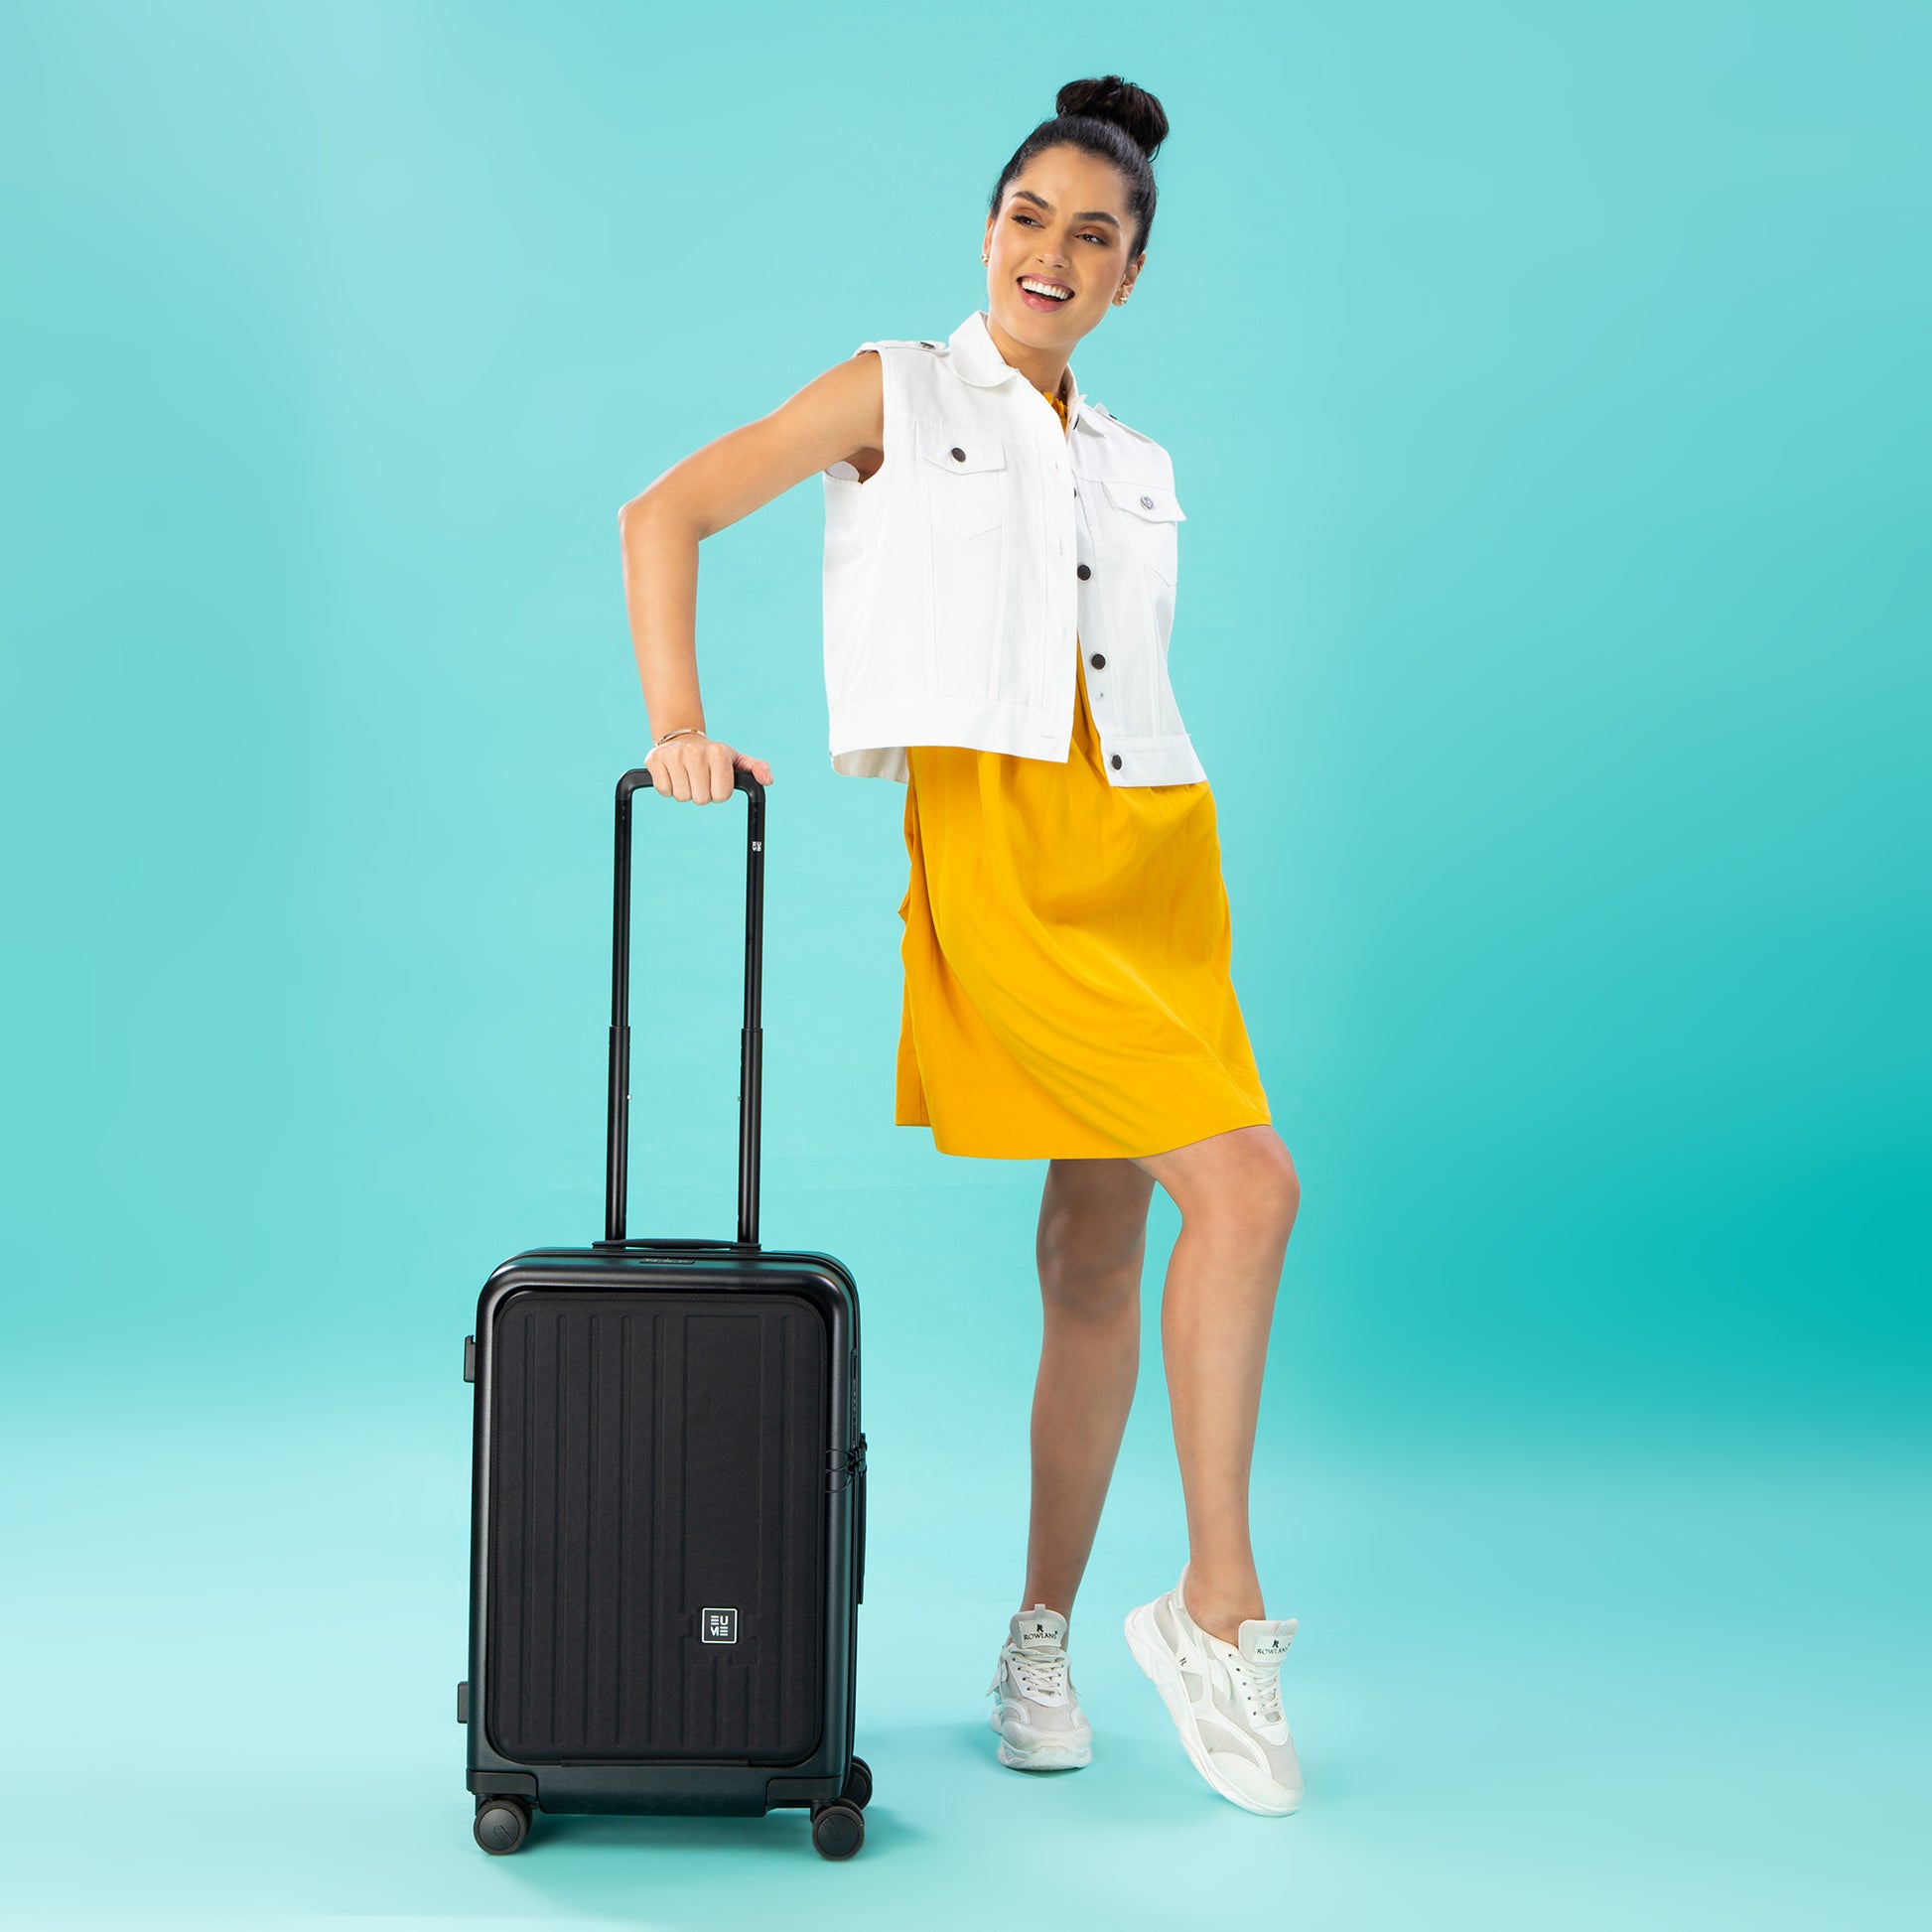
column 965, row 479
column 1149, row 515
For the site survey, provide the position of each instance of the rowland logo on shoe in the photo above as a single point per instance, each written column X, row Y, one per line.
column 719, row 1626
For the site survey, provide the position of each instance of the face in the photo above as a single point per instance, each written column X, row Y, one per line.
column 1065, row 222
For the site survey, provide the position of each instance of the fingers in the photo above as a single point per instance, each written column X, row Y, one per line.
column 704, row 773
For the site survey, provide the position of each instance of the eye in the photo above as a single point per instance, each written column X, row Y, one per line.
column 1086, row 234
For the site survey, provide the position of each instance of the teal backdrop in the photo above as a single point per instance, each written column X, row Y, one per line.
column 1546, row 386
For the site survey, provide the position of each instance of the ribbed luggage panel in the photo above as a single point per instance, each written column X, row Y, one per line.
column 654, row 1456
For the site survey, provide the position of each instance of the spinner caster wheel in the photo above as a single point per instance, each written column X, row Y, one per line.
column 503, row 1824
column 857, row 1784
column 838, row 1829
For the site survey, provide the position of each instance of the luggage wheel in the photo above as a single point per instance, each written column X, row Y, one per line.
column 838, row 1829
column 503, row 1824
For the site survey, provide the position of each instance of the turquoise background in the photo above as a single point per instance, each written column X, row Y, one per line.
column 1545, row 390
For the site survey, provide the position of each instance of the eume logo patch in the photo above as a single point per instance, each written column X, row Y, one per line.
column 719, row 1626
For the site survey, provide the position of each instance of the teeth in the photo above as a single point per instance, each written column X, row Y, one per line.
column 1045, row 288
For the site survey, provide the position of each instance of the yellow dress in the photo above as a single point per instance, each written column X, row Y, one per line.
column 1066, row 952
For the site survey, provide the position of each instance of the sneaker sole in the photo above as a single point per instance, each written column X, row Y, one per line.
column 1039, row 1757
column 1158, row 1662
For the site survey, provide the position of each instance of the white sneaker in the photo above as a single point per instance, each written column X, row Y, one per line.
column 1035, row 1709
column 1225, row 1699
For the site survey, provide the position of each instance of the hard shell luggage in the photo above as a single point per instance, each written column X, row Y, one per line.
column 667, row 1538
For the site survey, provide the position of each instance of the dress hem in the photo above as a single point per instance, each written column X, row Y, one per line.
column 1087, row 1154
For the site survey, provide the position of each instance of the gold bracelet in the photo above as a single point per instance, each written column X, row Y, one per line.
column 679, row 733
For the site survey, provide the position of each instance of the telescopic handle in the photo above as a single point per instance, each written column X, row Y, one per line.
column 751, row 1056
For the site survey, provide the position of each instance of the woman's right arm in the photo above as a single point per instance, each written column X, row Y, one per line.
column 836, row 416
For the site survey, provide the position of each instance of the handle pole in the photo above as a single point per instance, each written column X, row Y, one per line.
column 751, row 1055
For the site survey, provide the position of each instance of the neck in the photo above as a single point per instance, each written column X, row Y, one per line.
column 1045, row 368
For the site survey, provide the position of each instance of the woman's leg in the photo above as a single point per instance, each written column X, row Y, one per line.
column 1091, row 1242
column 1237, row 1193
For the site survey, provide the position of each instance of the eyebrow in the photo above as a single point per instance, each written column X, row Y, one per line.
column 1086, row 214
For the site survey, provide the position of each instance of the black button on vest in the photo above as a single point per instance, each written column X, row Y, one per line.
column 958, row 455
column 1116, row 760
column 1098, row 660
column 1083, row 572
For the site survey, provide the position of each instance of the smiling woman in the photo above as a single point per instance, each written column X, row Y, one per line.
column 1067, row 945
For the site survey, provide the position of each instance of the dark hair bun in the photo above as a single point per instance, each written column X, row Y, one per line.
column 1131, row 109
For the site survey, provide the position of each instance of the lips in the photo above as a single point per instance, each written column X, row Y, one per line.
column 1042, row 303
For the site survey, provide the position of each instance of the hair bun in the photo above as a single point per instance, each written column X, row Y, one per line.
column 1134, row 112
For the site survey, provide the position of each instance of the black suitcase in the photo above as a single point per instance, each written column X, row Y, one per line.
column 667, row 1537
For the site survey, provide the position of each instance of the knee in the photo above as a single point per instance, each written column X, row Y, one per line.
column 1286, row 1187
column 1091, row 1291
column 1093, row 1279
column 1263, row 1194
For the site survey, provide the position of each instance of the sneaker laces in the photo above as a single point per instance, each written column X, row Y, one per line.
column 1040, row 1676
column 1262, row 1685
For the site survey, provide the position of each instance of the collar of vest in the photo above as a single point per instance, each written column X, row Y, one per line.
column 976, row 358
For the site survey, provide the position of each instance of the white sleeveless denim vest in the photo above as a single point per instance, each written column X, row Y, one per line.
column 958, row 576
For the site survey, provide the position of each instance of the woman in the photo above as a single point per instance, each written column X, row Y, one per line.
column 999, row 589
